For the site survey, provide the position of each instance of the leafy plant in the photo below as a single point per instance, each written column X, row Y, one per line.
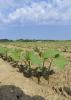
column 4, row 53
column 53, row 56
column 26, row 69
column 26, row 57
column 15, row 54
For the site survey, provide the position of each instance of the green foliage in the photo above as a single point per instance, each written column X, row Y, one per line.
column 27, row 55
column 15, row 54
column 57, row 57
column 60, row 62
column 35, row 59
column 32, row 57
column 3, row 50
column 50, row 53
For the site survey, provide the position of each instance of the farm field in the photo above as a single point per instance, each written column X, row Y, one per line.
column 41, row 69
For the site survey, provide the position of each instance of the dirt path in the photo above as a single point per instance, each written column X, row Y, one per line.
column 11, row 76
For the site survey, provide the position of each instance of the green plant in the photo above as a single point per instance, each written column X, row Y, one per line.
column 26, row 69
column 53, row 56
column 15, row 54
column 27, row 55
column 4, row 53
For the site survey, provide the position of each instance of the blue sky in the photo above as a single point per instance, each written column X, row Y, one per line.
column 35, row 19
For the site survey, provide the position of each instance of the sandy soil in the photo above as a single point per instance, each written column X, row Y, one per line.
column 11, row 76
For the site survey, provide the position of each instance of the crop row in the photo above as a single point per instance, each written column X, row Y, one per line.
column 32, row 63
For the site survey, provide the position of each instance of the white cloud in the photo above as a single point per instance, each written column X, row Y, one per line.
column 58, row 11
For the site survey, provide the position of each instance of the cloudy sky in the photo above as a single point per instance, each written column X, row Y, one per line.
column 35, row 19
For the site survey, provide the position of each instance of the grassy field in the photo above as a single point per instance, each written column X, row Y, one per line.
column 42, row 57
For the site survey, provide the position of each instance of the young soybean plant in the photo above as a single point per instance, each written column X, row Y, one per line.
column 26, row 69
column 53, row 56
column 31, row 58
column 27, row 58
column 15, row 55
column 37, row 61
